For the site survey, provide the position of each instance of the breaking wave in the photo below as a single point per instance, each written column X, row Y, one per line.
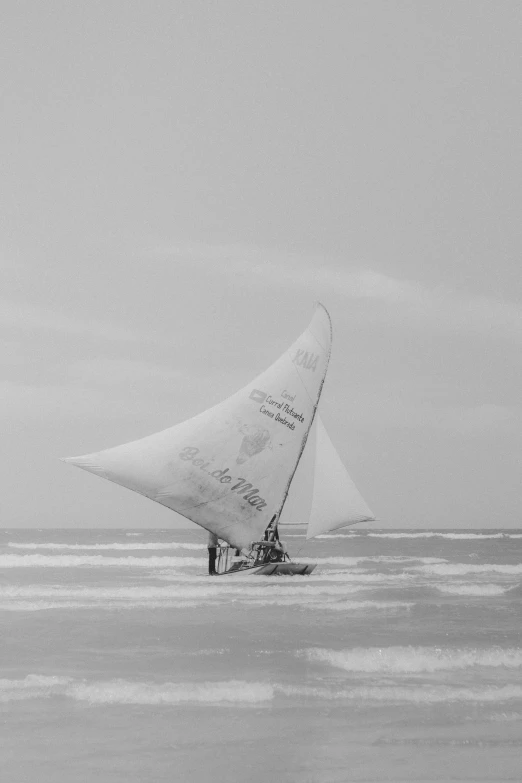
column 432, row 694
column 466, row 588
column 356, row 560
column 367, row 577
column 73, row 561
column 239, row 692
column 452, row 536
column 123, row 692
column 337, row 535
column 31, row 687
column 204, row 590
column 458, row 569
column 157, row 561
column 39, row 606
column 312, row 605
column 413, row 534
column 131, row 547
column 385, row 606
column 325, row 597
column 414, row 660
column 505, row 717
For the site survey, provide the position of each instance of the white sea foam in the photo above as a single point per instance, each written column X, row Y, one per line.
column 370, row 578
column 124, row 692
column 240, row 692
column 32, row 687
column 323, row 597
column 459, row 569
column 414, row 660
column 357, row 579
column 334, row 560
column 414, row 534
column 170, row 693
column 505, row 717
column 210, row 589
column 429, row 694
column 39, row 606
column 400, row 560
column 354, row 561
column 73, row 561
column 357, row 606
column 452, row 536
column 358, row 560
column 100, row 547
column 337, row 535
column 465, row 588
column 368, row 607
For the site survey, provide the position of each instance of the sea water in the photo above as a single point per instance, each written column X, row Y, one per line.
column 398, row 659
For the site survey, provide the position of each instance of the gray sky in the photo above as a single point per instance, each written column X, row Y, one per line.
column 182, row 180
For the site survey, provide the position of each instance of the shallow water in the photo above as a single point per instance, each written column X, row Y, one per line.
column 398, row 659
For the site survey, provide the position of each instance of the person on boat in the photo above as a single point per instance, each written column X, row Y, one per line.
column 278, row 551
column 271, row 549
column 212, row 552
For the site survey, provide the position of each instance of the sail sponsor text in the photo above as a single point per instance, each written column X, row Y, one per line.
column 269, row 405
column 306, row 360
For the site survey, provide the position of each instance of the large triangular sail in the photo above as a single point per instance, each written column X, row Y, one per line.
column 229, row 468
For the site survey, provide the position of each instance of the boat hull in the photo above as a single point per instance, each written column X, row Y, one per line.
column 273, row 569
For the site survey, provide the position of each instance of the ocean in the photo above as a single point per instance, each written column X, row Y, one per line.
column 398, row 659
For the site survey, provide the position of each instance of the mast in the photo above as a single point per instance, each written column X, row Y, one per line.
column 305, row 438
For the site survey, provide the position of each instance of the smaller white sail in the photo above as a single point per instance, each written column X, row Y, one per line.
column 336, row 501
column 322, row 494
column 298, row 503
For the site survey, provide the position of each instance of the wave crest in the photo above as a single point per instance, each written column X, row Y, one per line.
column 470, row 589
column 73, row 561
column 414, row 660
column 123, row 692
column 103, row 547
column 459, row 569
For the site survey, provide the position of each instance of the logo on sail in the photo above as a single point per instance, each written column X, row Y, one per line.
column 306, row 360
column 257, row 396
column 254, row 441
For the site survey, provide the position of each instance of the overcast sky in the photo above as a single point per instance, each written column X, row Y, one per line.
column 182, row 180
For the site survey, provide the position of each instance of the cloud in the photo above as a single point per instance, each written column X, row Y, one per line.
column 439, row 307
column 108, row 373
column 380, row 411
column 27, row 317
column 108, row 389
column 92, row 388
column 386, row 298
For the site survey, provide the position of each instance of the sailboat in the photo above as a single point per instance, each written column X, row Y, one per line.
column 258, row 460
